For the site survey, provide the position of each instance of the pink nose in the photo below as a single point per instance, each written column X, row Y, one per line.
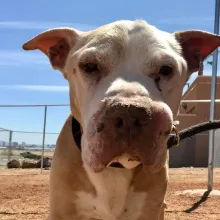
column 132, row 120
column 126, row 120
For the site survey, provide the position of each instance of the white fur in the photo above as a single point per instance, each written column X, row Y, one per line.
column 115, row 199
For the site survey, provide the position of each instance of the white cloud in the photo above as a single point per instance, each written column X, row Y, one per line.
column 187, row 20
column 42, row 25
column 43, row 88
column 18, row 58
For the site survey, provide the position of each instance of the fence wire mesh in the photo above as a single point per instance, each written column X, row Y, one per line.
column 16, row 149
column 4, row 146
column 192, row 152
column 18, row 134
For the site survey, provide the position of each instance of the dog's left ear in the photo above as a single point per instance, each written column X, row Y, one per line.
column 196, row 46
column 55, row 44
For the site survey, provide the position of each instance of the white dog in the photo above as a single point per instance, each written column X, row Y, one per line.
column 125, row 82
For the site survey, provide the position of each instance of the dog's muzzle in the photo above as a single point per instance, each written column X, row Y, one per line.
column 128, row 132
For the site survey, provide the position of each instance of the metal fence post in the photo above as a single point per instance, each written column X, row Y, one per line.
column 43, row 141
column 212, row 104
column 9, row 147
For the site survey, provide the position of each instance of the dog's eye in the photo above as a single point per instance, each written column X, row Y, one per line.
column 90, row 67
column 165, row 70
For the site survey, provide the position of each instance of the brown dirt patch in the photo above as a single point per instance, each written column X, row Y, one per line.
column 24, row 195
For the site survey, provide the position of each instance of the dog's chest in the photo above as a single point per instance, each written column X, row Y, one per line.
column 114, row 199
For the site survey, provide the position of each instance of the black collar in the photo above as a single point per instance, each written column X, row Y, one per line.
column 77, row 134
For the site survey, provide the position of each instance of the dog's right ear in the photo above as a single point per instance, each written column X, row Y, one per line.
column 196, row 46
column 55, row 43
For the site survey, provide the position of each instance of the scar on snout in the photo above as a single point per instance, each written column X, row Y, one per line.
column 100, row 127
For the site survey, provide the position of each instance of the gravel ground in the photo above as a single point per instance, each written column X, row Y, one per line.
column 24, row 195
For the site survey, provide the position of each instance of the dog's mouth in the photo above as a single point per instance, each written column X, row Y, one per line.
column 151, row 157
column 124, row 161
column 102, row 152
column 116, row 165
column 129, row 162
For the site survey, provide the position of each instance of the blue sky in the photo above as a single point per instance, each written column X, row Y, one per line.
column 27, row 78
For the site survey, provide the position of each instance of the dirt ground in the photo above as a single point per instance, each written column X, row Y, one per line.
column 24, row 195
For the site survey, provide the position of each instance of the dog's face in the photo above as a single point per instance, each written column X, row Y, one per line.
column 126, row 81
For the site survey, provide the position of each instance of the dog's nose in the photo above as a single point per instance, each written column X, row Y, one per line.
column 128, row 120
column 133, row 119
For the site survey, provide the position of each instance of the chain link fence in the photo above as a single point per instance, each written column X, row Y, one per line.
column 10, row 148
column 18, row 135
column 4, row 146
column 192, row 152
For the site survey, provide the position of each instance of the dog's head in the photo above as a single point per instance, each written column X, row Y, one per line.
column 126, row 80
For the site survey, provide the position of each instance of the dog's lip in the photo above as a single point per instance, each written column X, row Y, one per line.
column 119, row 165
column 116, row 165
column 125, row 160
